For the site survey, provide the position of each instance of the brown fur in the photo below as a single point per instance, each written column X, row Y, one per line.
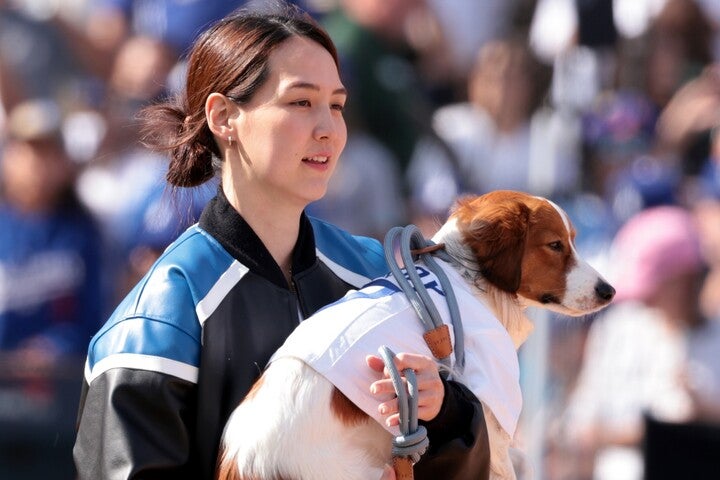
column 348, row 413
column 256, row 386
column 510, row 234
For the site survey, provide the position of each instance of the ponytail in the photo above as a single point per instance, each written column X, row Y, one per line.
column 187, row 141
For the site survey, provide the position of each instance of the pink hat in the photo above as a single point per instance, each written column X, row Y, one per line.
column 653, row 246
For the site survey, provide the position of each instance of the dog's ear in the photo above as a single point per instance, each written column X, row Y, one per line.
column 496, row 233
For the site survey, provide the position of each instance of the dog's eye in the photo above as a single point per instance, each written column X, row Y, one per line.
column 557, row 246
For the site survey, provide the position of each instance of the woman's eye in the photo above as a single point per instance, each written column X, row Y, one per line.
column 306, row 103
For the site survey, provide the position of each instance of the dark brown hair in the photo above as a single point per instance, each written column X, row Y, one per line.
column 230, row 57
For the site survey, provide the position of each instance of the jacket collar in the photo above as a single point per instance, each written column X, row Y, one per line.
column 225, row 224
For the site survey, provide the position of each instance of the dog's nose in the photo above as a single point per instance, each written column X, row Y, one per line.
column 604, row 290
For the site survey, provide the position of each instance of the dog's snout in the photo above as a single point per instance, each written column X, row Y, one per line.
column 604, row 290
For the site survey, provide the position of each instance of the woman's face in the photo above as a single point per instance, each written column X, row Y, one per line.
column 292, row 131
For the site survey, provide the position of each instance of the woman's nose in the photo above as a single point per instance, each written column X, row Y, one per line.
column 328, row 126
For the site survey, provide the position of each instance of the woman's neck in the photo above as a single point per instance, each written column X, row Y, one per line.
column 276, row 225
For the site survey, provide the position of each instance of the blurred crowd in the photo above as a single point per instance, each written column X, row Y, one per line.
column 611, row 108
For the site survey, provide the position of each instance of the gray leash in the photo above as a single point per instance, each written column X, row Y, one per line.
column 412, row 442
column 415, row 291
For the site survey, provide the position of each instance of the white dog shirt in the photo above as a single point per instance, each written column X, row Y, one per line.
column 336, row 340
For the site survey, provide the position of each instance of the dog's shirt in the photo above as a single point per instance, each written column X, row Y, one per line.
column 335, row 342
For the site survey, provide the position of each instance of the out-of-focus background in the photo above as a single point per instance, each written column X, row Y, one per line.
column 610, row 108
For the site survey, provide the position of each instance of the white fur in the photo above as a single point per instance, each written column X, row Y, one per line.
column 300, row 417
column 511, row 313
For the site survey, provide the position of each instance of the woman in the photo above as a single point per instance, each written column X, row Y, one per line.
column 264, row 97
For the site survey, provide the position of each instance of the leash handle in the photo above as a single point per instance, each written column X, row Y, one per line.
column 409, row 447
column 412, row 442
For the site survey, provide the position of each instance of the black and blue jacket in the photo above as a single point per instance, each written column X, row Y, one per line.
column 184, row 347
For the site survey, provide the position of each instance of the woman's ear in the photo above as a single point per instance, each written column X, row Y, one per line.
column 218, row 111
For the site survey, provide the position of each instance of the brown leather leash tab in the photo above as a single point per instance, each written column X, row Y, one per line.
column 438, row 340
column 403, row 468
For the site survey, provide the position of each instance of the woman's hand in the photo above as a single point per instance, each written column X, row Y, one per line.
column 430, row 387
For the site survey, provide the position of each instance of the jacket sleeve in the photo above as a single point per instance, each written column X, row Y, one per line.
column 135, row 424
column 459, row 445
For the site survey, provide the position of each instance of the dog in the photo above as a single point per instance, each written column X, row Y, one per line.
column 506, row 251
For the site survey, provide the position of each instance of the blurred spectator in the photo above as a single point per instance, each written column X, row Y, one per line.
column 703, row 372
column 153, row 224
column 692, row 110
column 687, row 126
column 389, row 97
column 679, row 46
column 469, row 25
column 50, row 293
column 622, row 163
column 502, row 138
column 618, row 128
column 649, row 45
column 174, row 22
column 120, row 173
column 706, row 208
column 35, row 60
column 636, row 359
column 707, row 211
column 107, row 24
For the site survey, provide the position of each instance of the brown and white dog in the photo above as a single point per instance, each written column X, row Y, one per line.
column 508, row 250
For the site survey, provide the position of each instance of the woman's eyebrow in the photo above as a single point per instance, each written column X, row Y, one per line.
column 312, row 86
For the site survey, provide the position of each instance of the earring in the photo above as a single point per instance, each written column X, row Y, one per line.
column 230, row 140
